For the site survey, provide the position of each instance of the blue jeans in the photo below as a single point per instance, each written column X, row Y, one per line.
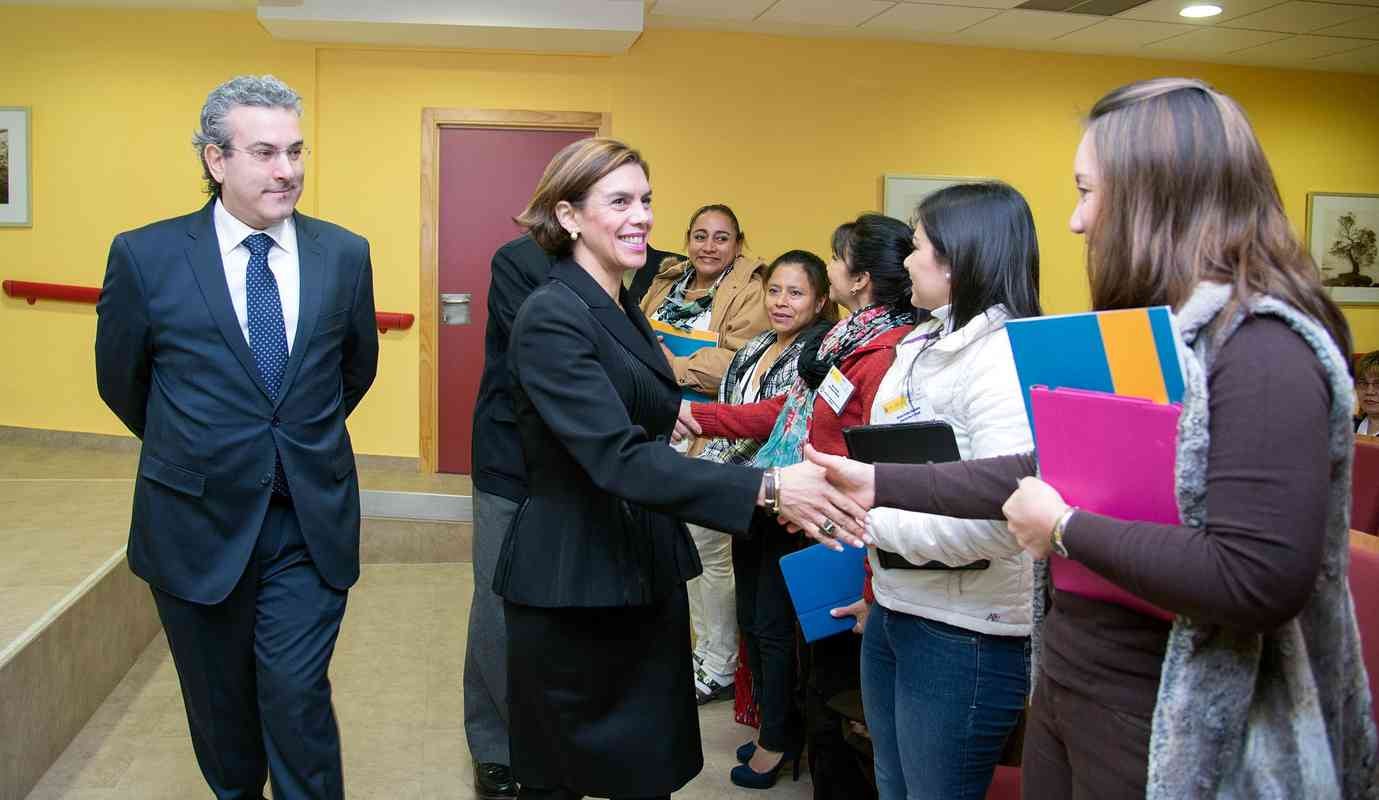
column 951, row 695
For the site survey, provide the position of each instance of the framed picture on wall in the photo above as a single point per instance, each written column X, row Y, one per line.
column 1341, row 230
column 15, row 200
column 900, row 194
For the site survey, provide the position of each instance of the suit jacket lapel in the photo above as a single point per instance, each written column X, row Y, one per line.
column 203, row 253
column 311, row 266
column 635, row 336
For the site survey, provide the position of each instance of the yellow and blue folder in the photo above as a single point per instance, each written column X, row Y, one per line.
column 682, row 343
column 1132, row 352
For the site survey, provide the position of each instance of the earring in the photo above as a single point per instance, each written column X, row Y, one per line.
column 574, row 235
column 853, row 290
column 948, row 275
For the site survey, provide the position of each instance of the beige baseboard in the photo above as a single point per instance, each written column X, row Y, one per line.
column 44, row 437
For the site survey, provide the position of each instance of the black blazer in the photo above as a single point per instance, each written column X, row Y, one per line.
column 595, row 401
column 518, row 267
column 174, row 366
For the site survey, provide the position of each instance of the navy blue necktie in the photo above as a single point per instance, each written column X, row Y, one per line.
column 267, row 333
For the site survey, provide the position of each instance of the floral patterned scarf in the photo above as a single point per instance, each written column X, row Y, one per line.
column 785, row 446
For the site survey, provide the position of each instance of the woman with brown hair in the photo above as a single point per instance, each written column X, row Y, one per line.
column 593, row 568
column 718, row 288
column 1237, row 672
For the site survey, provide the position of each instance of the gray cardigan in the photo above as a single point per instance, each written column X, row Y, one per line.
column 1284, row 714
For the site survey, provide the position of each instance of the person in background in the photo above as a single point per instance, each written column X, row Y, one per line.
column 797, row 306
column 718, row 289
column 945, row 653
column 592, row 570
column 1230, row 666
column 1367, row 392
column 867, row 276
column 500, row 486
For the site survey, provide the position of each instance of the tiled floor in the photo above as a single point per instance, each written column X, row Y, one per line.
column 396, row 675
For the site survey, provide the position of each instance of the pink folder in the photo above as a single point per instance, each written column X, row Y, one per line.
column 1113, row 455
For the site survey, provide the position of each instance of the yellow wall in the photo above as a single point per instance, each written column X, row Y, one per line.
column 793, row 133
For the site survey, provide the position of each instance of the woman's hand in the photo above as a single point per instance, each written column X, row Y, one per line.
column 808, row 503
column 858, row 610
column 1031, row 514
column 855, row 479
column 685, row 426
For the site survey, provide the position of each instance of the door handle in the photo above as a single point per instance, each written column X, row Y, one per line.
column 455, row 308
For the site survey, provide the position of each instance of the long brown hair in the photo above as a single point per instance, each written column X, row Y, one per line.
column 1187, row 195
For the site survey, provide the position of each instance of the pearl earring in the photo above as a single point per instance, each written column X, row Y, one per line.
column 574, row 235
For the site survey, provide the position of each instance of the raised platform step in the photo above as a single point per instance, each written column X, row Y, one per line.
column 73, row 618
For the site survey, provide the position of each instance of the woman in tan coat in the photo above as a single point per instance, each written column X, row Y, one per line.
column 718, row 289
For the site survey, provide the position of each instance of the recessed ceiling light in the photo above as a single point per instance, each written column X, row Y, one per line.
column 1199, row 11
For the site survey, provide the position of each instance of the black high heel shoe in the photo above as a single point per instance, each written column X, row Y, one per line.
column 748, row 778
column 745, row 752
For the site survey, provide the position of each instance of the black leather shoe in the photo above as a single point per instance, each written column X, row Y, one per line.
column 494, row 782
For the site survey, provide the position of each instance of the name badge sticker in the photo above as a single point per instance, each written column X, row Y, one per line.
column 836, row 390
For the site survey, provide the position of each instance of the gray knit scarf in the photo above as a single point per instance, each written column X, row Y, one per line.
column 1286, row 714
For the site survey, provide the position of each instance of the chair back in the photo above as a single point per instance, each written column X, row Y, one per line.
column 1364, row 591
column 1364, row 485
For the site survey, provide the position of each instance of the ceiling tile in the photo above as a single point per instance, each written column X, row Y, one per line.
column 972, row 3
column 911, row 17
column 1212, row 42
column 1167, row 11
column 1368, row 27
column 1366, row 59
column 1019, row 25
column 1121, row 34
column 1297, row 49
column 711, row 9
column 1299, row 17
column 825, row 12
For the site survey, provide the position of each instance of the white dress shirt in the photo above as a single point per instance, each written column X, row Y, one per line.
column 282, row 262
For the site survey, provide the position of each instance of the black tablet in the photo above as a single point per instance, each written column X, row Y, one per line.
column 928, row 442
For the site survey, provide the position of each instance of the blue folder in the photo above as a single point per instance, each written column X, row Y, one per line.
column 821, row 579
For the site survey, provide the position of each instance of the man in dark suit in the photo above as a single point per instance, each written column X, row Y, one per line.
column 234, row 342
column 500, row 485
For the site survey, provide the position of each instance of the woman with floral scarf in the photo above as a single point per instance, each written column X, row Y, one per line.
column 835, row 389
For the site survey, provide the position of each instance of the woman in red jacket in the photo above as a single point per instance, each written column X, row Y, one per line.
column 838, row 381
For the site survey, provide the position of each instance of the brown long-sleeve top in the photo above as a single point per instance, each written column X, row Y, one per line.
column 1253, row 564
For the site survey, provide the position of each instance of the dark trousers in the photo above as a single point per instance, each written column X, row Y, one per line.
column 253, row 673
column 1080, row 749
column 486, row 648
column 837, row 770
column 767, row 619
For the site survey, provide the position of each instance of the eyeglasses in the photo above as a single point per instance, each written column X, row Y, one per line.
column 265, row 155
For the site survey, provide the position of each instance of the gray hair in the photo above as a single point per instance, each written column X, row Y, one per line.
column 244, row 90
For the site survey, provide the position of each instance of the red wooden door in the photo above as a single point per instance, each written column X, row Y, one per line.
column 487, row 175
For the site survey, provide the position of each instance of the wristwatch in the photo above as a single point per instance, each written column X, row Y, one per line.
column 1059, row 528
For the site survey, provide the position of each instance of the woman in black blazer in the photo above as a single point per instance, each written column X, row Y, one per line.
column 593, row 569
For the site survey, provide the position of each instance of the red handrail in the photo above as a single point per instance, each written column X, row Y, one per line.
column 33, row 292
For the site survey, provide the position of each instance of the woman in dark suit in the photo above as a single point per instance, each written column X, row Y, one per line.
column 593, row 569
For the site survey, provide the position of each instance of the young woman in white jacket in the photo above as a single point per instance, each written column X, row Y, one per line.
column 945, row 652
